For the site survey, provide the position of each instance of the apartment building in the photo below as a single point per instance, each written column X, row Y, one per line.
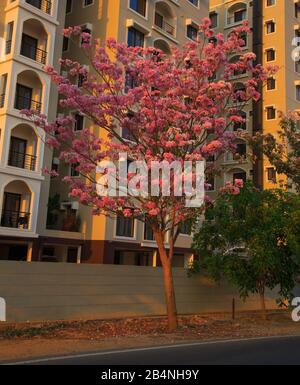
column 72, row 233
column 29, row 40
column 274, row 24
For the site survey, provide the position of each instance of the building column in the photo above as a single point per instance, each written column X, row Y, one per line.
column 29, row 252
column 154, row 258
column 79, row 249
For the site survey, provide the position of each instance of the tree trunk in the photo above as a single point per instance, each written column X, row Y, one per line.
column 263, row 302
column 168, row 283
column 170, row 296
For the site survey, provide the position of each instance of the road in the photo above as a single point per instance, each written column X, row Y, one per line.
column 259, row 351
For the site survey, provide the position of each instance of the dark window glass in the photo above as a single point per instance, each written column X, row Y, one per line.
column 135, row 38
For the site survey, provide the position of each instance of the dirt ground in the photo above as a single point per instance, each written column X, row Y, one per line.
column 25, row 341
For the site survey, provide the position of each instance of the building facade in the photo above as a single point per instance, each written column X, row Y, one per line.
column 72, row 232
column 274, row 23
column 29, row 40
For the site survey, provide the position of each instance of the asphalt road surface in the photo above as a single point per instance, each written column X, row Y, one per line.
column 259, row 351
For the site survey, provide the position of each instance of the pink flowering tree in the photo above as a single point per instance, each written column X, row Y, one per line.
column 175, row 108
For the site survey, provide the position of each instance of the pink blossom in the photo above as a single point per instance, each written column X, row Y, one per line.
column 239, row 183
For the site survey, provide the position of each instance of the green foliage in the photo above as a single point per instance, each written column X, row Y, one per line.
column 283, row 148
column 252, row 239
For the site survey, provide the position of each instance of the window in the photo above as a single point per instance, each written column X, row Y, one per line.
column 270, row 54
column 138, row 6
column 79, row 119
column 29, row 48
column 125, row 227
column 23, row 97
column 297, row 66
column 298, row 93
column 271, row 84
column 210, row 182
column 135, row 38
column 192, row 32
column 241, row 149
column 3, row 84
column 65, row 44
column 297, row 10
column 148, row 233
column 10, row 28
column 73, row 170
column 270, row 3
column 69, row 6
column 55, row 165
column 130, row 82
column 242, row 125
column 80, row 80
column 270, row 27
column 214, row 19
column 240, row 15
column 194, row 2
column 185, row 228
column 244, row 36
column 85, row 29
column 271, row 113
column 86, row 3
column 240, row 93
column 272, row 175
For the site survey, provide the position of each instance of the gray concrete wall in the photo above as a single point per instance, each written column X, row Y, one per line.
column 41, row 291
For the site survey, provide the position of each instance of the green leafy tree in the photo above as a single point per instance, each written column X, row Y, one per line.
column 252, row 240
column 283, row 148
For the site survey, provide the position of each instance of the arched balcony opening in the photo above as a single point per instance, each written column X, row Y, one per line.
column 236, row 174
column 165, row 18
column 163, row 46
column 236, row 13
column 23, row 148
column 29, row 91
column 34, row 41
column 16, row 205
column 239, row 154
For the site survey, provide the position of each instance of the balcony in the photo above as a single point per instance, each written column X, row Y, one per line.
column 34, row 41
column 164, row 25
column 44, row 5
column 15, row 211
column 15, row 219
column 23, row 148
column 236, row 13
column 34, row 53
column 165, row 18
column 22, row 160
column 29, row 91
column 25, row 103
